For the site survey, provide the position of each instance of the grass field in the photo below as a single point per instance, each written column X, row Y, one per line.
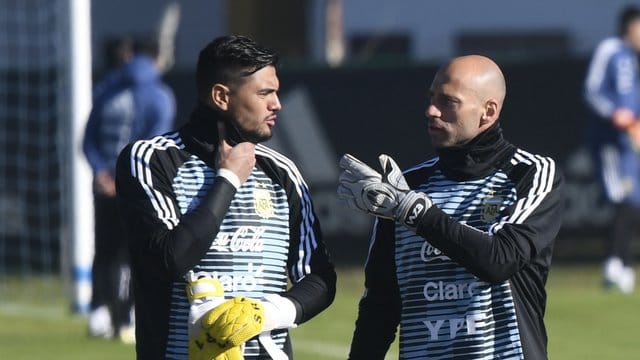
column 583, row 321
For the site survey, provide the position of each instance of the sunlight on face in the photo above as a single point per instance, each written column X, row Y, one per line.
column 254, row 105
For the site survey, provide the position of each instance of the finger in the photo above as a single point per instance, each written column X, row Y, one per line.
column 347, row 177
column 222, row 131
column 357, row 167
column 389, row 166
column 344, row 192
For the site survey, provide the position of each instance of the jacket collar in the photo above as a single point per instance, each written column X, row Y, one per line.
column 479, row 158
column 201, row 134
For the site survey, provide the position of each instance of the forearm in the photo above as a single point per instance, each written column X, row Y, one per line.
column 312, row 295
column 198, row 228
column 492, row 258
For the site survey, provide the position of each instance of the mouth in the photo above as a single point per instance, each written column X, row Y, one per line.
column 432, row 127
column 271, row 120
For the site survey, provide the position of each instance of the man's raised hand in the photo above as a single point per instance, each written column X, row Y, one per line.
column 385, row 194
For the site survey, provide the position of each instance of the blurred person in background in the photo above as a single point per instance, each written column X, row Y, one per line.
column 612, row 94
column 226, row 248
column 131, row 102
column 462, row 244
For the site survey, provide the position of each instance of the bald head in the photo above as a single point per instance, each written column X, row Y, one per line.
column 466, row 98
column 478, row 74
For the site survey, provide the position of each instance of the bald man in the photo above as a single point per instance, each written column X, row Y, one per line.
column 462, row 243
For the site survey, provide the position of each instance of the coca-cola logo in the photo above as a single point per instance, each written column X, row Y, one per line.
column 244, row 239
column 429, row 253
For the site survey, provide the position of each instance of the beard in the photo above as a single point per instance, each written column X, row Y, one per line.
column 237, row 134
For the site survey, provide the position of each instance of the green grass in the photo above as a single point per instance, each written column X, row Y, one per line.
column 583, row 321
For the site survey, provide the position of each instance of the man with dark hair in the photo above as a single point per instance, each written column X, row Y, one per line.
column 214, row 212
column 612, row 94
column 462, row 244
column 131, row 102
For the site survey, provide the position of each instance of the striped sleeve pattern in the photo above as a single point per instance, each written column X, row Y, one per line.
column 141, row 153
column 541, row 186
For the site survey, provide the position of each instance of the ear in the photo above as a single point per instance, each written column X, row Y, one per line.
column 220, row 96
column 490, row 114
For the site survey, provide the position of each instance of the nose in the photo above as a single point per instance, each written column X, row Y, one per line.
column 432, row 111
column 275, row 105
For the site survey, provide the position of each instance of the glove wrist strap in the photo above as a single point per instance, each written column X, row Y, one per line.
column 412, row 208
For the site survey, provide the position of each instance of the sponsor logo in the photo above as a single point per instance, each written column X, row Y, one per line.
column 440, row 290
column 262, row 202
column 455, row 326
column 415, row 212
column 244, row 239
column 429, row 253
column 248, row 281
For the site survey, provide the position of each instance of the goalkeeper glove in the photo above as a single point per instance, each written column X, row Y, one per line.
column 385, row 195
column 204, row 294
column 234, row 321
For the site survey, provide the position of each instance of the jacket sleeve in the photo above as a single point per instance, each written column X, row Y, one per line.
column 163, row 240
column 379, row 309
column 90, row 142
column 624, row 73
column 310, row 269
column 525, row 230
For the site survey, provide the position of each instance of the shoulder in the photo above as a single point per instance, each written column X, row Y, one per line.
column 281, row 164
column 535, row 170
column 158, row 146
column 276, row 158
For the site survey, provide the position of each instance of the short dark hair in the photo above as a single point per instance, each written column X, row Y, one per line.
column 627, row 15
column 118, row 51
column 229, row 59
column 146, row 45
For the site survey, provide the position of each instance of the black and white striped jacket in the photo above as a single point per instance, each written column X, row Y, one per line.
column 182, row 216
column 469, row 283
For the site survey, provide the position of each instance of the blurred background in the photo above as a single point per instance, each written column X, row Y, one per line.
column 354, row 77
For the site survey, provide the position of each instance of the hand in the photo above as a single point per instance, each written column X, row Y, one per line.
column 104, row 183
column 385, row 195
column 239, row 159
column 204, row 294
column 634, row 134
column 233, row 322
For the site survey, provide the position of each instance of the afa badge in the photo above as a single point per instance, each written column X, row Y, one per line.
column 490, row 207
column 262, row 203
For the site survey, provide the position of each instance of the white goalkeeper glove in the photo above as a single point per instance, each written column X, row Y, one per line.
column 208, row 308
column 385, row 195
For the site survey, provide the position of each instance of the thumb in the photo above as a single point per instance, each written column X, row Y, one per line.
column 388, row 165
column 391, row 172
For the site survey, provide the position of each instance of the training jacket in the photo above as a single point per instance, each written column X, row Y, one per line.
column 129, row 104
column 469, row 282
column 182, row 217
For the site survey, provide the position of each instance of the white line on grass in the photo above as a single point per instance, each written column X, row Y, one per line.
column 32, row 311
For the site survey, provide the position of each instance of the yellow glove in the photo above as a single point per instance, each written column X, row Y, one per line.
column 205, row 347
column 235, row 321
column 205, row 293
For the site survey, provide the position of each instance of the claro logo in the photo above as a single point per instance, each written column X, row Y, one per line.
column 429, row 253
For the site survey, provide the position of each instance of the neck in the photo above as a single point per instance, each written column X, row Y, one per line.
column 204, row 123
column 478, row 158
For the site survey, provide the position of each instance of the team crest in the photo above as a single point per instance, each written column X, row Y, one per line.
column 262, row 203
column 490, row 207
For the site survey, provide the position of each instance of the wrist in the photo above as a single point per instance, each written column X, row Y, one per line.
column 279, row 312
column 412, row 208
column 230, row 176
